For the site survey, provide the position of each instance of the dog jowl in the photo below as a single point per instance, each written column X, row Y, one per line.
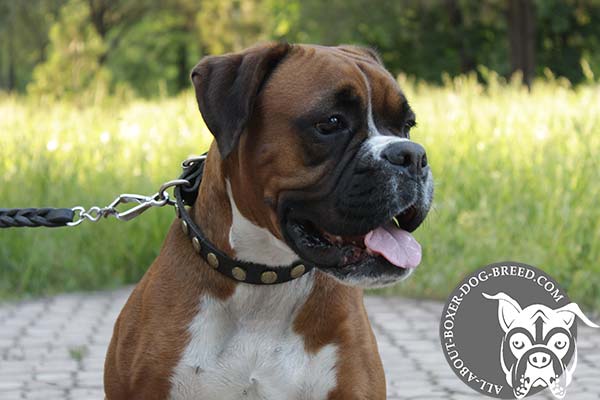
column 312, row 165
column 538, row 349
column 325, row 160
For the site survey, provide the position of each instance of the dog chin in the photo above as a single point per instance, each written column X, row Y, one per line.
column 381, row 254
column 358, row 277
column 371, row 271
column 527, row 380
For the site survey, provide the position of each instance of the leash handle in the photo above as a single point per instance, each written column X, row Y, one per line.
column 35, row 217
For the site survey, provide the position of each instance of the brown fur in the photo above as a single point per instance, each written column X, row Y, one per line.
column 151, row 332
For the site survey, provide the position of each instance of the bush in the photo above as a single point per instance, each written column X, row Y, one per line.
column 73, row 68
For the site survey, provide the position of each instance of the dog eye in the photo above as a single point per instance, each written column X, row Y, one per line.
column 519, row 341
column 411, row 123
column 560, row 344
column 559, row 341
column 333, row 124
column 517, row 344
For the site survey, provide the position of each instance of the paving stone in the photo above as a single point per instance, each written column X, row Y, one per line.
column 10, row 385
column 11, row 395
column 54, row 348
column 45, row 394
column 59, row 379
column 86, row 394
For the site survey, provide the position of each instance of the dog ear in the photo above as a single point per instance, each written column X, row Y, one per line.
column 227, row 86
column 572, row 310
column 508, row 309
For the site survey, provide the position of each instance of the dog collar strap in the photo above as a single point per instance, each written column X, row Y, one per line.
column 237, row 270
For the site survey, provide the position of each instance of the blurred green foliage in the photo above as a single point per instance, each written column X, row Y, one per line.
column 147, row 47
column 516, row 177
column 103, row 106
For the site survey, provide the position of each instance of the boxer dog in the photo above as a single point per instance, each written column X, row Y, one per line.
column 538, row 349
column 312, row 162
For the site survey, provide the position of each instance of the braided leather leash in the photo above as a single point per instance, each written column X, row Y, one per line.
column 58, row 217
column 185, row 192
column 35, row 217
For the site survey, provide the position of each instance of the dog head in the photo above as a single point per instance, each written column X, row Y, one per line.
column 538, row 349
column 315, row 147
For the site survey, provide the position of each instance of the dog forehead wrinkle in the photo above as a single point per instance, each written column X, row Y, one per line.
column 404, row 112
column 539, row 314
column 372, row 128
column 253, row 243
column 530, row 314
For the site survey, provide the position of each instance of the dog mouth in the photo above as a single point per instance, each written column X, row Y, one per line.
column 389, row 243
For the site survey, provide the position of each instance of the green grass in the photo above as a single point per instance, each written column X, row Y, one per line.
column 517, row 178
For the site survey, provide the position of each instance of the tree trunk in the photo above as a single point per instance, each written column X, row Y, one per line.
column 455, row 15
column 183, row 70
column 12, row 79
column 521, row 37
column 98, row 11
column 1, row 68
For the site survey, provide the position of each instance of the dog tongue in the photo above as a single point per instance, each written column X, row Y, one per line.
column 396, row 245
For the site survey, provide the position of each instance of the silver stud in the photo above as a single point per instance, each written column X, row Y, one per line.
column 212, row 260
column 238, row 274
column 268, row 277
column 298, row 270
column 184, row 227
column 196, row 244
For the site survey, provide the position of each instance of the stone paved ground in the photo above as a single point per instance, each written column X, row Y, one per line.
column 54, row 349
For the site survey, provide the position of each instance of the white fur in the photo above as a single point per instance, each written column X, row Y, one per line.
column 254, row 243
column 367, row 282
column 373, row 131
column 245, row 347
column 427, row 188
column 376, row 141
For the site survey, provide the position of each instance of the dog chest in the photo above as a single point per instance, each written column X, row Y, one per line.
column 245, row 348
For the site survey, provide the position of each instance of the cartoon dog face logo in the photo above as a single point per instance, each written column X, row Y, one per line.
column 538, row 349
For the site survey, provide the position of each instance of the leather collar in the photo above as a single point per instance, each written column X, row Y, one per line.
column 241, row 271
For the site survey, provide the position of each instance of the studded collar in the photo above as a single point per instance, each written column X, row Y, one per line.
column 241, row 271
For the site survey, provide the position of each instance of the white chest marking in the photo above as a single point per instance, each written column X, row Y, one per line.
column 245, row 348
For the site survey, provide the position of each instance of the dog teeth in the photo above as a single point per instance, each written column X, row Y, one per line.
column 338, row 239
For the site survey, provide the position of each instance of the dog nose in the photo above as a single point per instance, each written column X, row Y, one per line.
column 406, row 155
column 539, row 359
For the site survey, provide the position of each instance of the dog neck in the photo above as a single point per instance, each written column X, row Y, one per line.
column 211, row 211
column 253, row 243
column 217, row 214
column 216, row 207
